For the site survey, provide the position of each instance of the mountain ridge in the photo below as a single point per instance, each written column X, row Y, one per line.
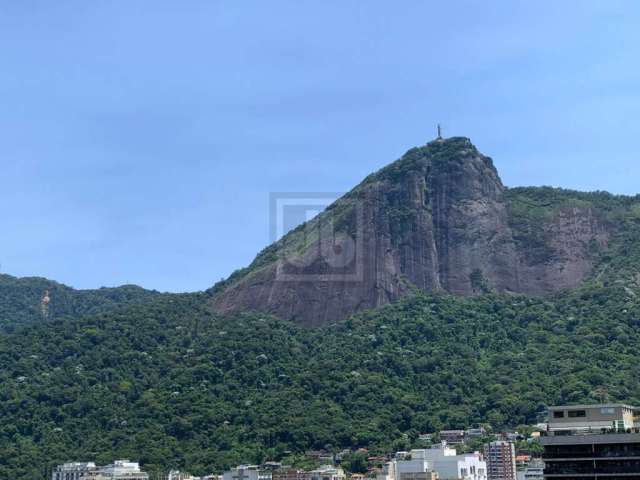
column 438, row 219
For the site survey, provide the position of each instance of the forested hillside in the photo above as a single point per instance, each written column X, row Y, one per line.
column 172, row 385
column 20, row 300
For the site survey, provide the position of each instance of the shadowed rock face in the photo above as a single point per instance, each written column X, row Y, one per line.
column 436, row 220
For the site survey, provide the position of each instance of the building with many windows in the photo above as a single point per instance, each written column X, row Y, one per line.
column 74, row 471
column 591, row 442
column 440, row 461
column 591, row 418
column 501, row 460
column 118, row 470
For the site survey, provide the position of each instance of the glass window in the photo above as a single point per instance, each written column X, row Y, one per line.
column 577, row 413
column 607, row 411
column 558, row 414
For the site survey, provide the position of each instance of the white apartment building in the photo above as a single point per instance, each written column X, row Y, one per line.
column 327, row 472
column 121, row 470
column 74, row 471
column 442, row 460
column 118, row 470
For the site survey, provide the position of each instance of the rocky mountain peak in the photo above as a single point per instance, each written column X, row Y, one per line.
column 438, row 220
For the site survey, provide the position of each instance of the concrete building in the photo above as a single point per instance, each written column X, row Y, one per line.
column 475, row 433
column 501, row 460
column 247, row 472
column 118, row 470
column 440, row 461
column 121, row 470
column 452, row 437
column 327, row 472
column 74, row 471
column 591, row 418
column 533, row 471
column 290, row 474
column 591, row 442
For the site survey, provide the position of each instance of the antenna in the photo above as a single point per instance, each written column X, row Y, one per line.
column 439, row 132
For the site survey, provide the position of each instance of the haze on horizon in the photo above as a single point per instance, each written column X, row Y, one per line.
column 139, row 142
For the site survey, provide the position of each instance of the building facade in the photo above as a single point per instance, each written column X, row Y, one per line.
column 74, row 471
column 247, row 472
column 591, row 418
column 501, row 460
column 121, row 470
column 591, row 442
column 118, row 470
column 440, row 461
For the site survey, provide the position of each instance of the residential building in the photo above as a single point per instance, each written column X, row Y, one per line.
column 440, row 461
column 247, row 472
column 327, row 472
column 449, row 465
column 533, row 471
column 591, row 418
column 288, row 473
column 74, row 471
column 121, row 470
column 475, row 432
column 591, row 442
column 452, row 437
column 501, row 460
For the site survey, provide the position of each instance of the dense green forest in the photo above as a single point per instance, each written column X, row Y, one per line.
column 20, row 300
column 159, row 378
column 167, row 383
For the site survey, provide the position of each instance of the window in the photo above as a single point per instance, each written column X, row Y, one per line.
column 607, row 411
column 558, row 414
column 577, row 413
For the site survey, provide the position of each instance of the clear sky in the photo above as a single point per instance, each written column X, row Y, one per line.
column 139, row 140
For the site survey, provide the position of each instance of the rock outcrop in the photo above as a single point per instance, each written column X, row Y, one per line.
column 438, row 220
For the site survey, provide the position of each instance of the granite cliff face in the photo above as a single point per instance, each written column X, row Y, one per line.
column 439, row 220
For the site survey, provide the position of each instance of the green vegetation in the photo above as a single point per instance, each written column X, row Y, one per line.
column 169, row 384
column 20, row 300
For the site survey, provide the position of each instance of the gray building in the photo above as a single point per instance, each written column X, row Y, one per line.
column 591, row 418
column 591, row 442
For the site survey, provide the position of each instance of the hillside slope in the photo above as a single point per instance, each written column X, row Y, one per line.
column 172, row 385
column 437, row 220
column 20, row 300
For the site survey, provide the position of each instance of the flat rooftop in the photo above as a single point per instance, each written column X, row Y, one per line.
column 595, row 405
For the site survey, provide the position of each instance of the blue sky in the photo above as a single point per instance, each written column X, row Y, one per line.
column 139, row 141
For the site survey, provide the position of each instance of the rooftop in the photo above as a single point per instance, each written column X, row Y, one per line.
column 595, row 405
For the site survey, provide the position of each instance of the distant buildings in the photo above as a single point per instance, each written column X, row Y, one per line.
column 288, row 473
column 452, row 437
column 533, row 471
column 327, row 472
column 591, row 442
column 501, row 460
column 247, row 472
column 118, row 470
column 74, row 471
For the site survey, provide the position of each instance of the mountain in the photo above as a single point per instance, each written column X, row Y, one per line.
column 503, row 301
column 20, row 300
column 438, row 219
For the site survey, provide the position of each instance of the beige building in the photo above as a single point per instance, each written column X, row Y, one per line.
column 591, row 418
